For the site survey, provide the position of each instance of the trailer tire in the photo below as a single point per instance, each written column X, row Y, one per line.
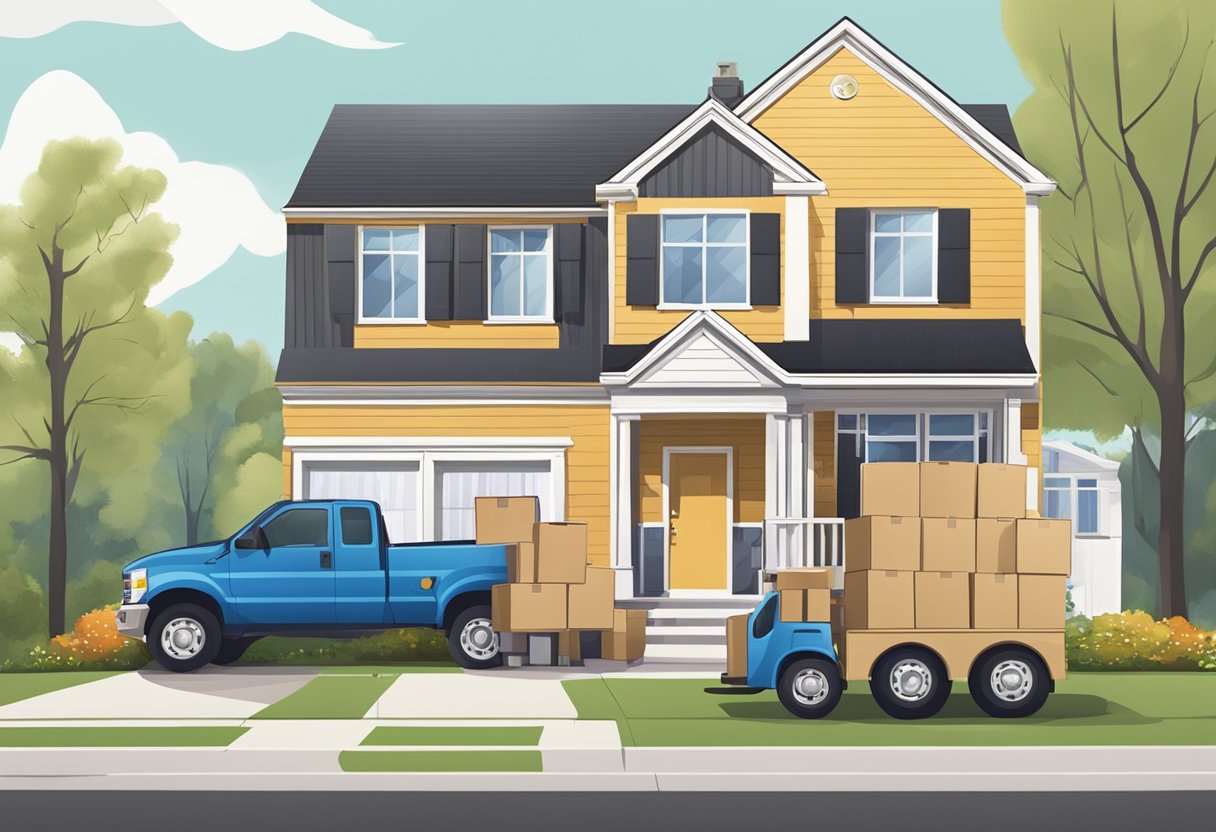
column 910, row 682
column 810, row 688
column 184, row 637
column 231, row 649
column 1009, row 682
column 466, row 640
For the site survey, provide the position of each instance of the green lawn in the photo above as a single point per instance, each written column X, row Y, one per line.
column 454, row 735
column 17, row 686
column 330, row 697
column 99, row 736
column 1086, row 709
column 440, row 761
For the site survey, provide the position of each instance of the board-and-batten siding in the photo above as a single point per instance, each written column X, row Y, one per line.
column 712, row 164
column 882, row 149
column 588, row 426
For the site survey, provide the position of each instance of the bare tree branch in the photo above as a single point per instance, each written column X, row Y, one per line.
column 1203, row 256
column 27, row 452
column 1142, row 317
column 1110, row 392
column 1170, row 77
column 84, row 328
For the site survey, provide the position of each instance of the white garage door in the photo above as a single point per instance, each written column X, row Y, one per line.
column 394, row 487
column 459, row 483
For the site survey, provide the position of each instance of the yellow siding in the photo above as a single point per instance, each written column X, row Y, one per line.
column 882, row 149
column 1032, row 438
column 823, row 448
column 745, row 434
column 587, row 459
column 640, row 324
column 287, row 473
column 457, row 334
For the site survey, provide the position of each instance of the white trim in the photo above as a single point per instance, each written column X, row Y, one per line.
column 620, row 502
column 1068, row 448
column 421, row 442
column 458, row 212
column 360, row 252
column 704, row 245
column 1034, row 282
column 848, row 35
column 729, row 452
column 441, row 395
column 546, row 317
column 786, row 169
column 796, row 305
column 901, row 299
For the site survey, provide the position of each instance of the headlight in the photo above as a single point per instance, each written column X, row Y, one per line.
column 134, row 585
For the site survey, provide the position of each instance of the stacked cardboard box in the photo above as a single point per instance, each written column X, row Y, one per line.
column 948, row 546
column 806, row 594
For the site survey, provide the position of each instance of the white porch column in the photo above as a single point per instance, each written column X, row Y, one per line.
column 776, row 465
column 797, row 246
column 1014, row 455
column 621, row 486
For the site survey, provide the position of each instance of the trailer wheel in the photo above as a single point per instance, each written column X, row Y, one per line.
column 472, row 640
column 184, row 637
column 910, row 683
column 810, row 688
column 1009, row 682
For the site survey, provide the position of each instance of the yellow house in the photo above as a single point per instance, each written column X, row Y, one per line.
column 686, row 326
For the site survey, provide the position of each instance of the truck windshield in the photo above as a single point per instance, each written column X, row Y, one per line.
column 765, row 618
column 262, row 516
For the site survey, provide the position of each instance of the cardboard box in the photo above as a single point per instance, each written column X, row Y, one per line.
column 947, row 489
column 1001, row 490
column 505, row 519
column 996, row 545
column 799, row 605
column 521, row 563
column 943, row 600
column 994, row 601
column 736, row 646
column 569, row 645
column 589, row 604
column 879, row 600
column 890, row 489
column 947, row 544
column 878, row 542
column 813, row 578
column 1041, row 601
column 528, row 608
column 561, row 552
column 626, row 641
column 1044, row 546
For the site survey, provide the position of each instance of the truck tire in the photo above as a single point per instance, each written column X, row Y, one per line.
column 472, row 640
column 184, row 637
column 910, row 683
column 1009, row 682
column 810, row 688
column 231, row 649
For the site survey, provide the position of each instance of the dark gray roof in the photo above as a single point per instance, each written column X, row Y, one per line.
column 995, row 118
column 847, row 346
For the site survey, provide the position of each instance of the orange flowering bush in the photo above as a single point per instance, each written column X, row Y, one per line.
column 1134, row 640
column 93, row 643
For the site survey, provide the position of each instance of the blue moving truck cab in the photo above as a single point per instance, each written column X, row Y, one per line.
column 313, row 567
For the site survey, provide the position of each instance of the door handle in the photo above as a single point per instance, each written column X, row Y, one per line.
column 327, row 560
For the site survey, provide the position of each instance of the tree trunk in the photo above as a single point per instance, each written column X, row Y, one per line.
column 57, row 371
column 1172, row 477
column 191, row 525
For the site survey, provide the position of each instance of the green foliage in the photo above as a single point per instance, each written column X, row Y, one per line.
column 22, row 607
column 1135, row 641
column 389, row 647
column 257, row 482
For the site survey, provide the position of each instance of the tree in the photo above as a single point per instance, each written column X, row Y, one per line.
column 1123, row 123
column 100, row 373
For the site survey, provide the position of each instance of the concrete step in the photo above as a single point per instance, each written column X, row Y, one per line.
column 686, row 652
column 685, row 635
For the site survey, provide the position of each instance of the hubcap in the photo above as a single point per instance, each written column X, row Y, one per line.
column 810, row 687
column 183, row 638
column 478, row 639
column 911, row 680
column 1012, row 680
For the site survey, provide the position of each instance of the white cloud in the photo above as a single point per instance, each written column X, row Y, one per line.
column 236, row 25
column 216, row 207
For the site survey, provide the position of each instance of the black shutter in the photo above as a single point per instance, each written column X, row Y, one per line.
column 642, row 264
column 471, row 279
column 438, row 266
column 852, row 255
column 954, row 255
column 567, row 270
column 341, row 248
column 766, row 259
column 849, row 456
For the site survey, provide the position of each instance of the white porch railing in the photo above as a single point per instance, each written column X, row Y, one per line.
column 793, row 542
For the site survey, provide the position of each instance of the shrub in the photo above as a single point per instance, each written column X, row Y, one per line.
column 93, row 644
column 1133, row 640
column 389, row 647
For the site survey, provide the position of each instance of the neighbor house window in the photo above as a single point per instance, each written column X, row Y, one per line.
column 390, row 274
column 521, row 274
column 903, row 256
column 704, row 260
column 1074, row 499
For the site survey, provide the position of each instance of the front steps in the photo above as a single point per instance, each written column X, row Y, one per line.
column 688, row 629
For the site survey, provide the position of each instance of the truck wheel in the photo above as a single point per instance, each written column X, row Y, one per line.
column 184, row 637
column 1009, row 682
column 472, row 640
column 810, row 688
column 910, row 683
column 231, row 649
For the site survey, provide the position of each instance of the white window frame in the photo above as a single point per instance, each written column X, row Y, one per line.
column 547, row 316
column 704, row 244
column 875, row 234
column 922, row 428
column 421, row 255
column 1074, row 489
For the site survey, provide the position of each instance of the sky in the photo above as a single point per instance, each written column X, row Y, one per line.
column 229, row 96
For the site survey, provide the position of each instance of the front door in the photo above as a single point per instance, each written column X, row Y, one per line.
column 698, row 522
column 291, row 581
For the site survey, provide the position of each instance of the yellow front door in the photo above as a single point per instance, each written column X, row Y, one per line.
column 697, row 525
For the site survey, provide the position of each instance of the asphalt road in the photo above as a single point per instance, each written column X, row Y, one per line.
column 618, row 812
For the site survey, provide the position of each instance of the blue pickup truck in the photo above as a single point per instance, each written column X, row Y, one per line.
column 313, row 567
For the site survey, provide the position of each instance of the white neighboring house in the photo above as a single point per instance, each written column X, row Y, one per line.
column 1083, row 487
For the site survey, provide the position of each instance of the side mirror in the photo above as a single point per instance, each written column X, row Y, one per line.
column 255, row 538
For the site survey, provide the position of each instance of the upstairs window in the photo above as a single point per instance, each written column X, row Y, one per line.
column 521, row 274
column 903, row 256
column 390, row 263
column 705, row 260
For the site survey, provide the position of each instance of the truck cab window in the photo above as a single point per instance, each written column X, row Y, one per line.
column 765, row 618
column 299, row 527
column 356, row 526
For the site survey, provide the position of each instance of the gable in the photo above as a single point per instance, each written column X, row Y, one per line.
column 710, row 164
column 704, row 361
